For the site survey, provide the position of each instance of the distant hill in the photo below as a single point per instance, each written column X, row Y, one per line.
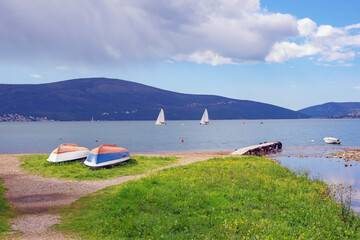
column 113, row 99
column 333, row 109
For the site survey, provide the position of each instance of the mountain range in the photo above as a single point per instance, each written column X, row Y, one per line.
column 333, row 109
column 114, row 99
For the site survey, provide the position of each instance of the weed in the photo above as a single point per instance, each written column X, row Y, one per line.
column 343, row 195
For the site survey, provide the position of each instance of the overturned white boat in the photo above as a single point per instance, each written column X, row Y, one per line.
column 106, row 155
column 205, row 118
column 68, row 152
column 161, row 118
column 331, row 140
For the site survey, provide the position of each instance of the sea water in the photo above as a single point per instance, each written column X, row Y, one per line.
column 145, row 137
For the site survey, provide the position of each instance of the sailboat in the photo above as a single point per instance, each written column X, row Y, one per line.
column 161, row 118
column 205, row 118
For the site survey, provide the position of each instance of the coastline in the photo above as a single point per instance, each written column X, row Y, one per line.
column 36, row 204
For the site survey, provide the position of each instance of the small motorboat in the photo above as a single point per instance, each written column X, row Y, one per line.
column 331, row 140
column 68, row 152
column 106, row 155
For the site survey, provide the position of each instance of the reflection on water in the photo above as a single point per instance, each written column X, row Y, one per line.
column 331, row 169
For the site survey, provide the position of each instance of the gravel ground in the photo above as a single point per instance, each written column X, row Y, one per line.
column 34, row 197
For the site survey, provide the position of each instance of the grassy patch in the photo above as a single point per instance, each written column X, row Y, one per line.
column 232, row 198
column 5, row 212
column 37, row 164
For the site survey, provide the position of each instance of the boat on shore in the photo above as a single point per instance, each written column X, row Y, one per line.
column 332, row 140
column 68, row 152
column 161, row 118
column 106, row 155
column 205, row 118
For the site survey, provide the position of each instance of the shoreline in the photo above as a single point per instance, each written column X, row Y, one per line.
column 336, row 151
column 38, row 204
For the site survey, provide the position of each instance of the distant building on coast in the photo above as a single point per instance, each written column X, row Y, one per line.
column 20, row 118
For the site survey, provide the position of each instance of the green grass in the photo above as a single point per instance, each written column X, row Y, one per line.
column 232, row 198
column 5, row 213
column 37, row 164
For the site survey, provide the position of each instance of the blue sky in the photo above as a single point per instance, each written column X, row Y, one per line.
column 292, row 54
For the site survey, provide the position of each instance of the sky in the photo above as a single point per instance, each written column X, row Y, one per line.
column 292, row 54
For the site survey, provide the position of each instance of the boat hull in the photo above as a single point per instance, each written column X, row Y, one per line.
column 331, row 140
column 68, row 156
column 107, row 159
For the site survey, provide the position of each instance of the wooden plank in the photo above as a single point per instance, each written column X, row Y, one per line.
column 260, row 149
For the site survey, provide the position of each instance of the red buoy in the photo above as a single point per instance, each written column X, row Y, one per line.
column 96, row 140
column 59, row 138
column 182, row 140
column 243, row 122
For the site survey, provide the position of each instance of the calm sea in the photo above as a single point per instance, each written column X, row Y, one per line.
column 145, row 137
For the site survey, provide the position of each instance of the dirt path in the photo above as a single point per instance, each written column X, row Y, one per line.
column 33, row 197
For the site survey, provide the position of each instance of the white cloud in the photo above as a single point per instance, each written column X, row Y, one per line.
column 112, row 51
column 325, row 43
column 120, row 31
column 204, row 31
column 62, row 68
column 284, row 51
column 327, row 30
column 353, row 26
column 306, row 26
column 357, row 87
column 204, row 57
column 333, row 56
column 35, row 76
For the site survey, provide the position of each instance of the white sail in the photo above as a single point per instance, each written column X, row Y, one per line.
column 205, row 118
column 161, row 118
